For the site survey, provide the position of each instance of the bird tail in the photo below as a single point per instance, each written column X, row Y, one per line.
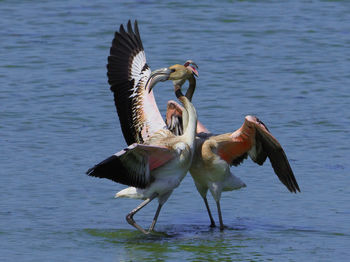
column 233, row 183
column 131, row 192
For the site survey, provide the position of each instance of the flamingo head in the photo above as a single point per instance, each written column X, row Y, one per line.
column 177, row 73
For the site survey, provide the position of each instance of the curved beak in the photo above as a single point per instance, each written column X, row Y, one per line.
column 159, row 75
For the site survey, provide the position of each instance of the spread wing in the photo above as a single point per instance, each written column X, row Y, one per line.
column 254, row 139
column 174, row 119
column 133, row 165
column 127, row 74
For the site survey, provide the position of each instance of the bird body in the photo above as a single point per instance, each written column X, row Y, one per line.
column 156, row 161
column 214, row 154
column 209, row 171
column 156, row 167
column 165, row 177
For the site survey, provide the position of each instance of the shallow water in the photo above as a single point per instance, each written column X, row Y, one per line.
column 288, row 63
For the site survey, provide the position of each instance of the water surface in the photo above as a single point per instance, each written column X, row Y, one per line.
column 286, row 62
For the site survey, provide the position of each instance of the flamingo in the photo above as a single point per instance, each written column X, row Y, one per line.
column 139, row 117
column 156, row 160
column 214, row 154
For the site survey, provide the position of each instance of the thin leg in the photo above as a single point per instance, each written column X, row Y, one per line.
column 155, row 218
column 220, row 216
column 212, row 222
column 129, row 216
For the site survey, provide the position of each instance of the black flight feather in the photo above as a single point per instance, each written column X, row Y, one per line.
column 125, row 46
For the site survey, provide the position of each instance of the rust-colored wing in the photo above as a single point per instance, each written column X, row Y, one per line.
column 127, row 74
column 132, row 166
column 173, row 119
column 254, row 139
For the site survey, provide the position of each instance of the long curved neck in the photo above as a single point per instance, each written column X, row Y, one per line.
column 190, row 129
column 191, row 88
column 189, row 95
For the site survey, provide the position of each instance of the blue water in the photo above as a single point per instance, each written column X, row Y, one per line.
column 285, row 61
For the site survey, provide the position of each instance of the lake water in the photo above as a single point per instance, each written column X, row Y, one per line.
column 288, row 62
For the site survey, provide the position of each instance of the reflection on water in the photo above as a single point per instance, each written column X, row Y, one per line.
column 193, row 242
column 247, row 240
